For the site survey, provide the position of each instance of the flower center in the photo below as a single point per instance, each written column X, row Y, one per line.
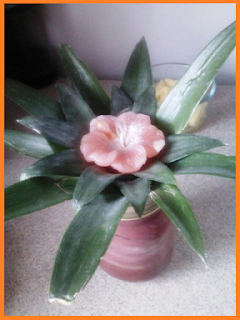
column 104, row 128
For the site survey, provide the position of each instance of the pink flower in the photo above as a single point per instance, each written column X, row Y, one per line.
column 123, row 142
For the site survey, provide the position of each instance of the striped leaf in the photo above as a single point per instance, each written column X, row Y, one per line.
column 119, row 101
column 138, row 74
column 31, row 195
column 84, row 81
column 206, row 163
column 182, row 145
column 92, row 181
column 75, row 108
column 136, row 192
column 176, row 207
column 28, row 144
column 33, row 101
column 84, row 243
column 158, row 172
column 59, row 132
column 65, row 163
column 177, row 107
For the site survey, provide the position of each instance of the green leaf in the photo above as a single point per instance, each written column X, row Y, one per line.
column 75, row 108
column 136, row 192
column 32, row 195
column 84, row 81
column 60, row 132
column 33, row 101
column 175, row 111
column 146, row 103
column 206, row 163
column 84, row 243
column 119, row 101
column 182, row 145
column 65, row 163
column 176, row 207
column 158, row 172
column 68, row 184
column 92, row 181
column 138, row 74
column 27, row 144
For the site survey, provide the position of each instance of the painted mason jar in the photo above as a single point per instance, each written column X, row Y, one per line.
column 141, row 247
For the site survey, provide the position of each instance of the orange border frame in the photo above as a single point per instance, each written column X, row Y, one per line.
column 2, row 112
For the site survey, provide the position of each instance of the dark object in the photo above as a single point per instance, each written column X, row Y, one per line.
column 28, row 56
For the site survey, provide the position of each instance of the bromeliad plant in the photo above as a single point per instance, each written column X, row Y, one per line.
column 130, row 149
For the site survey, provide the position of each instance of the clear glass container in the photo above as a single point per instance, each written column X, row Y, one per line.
column 141, row 247
column 168, row 74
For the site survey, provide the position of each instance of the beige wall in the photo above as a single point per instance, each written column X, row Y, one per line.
column 103, row 35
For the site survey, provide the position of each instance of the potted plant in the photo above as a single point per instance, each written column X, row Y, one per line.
column 109, row 155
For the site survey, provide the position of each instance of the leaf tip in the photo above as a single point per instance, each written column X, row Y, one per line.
column 64, row 45
column 203, row 257
column 225, row 144
column 23, row 176
column 65, row 50
column 58, row 300
column 76, row 206
column 142, row 43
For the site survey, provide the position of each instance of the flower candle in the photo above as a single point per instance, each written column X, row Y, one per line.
column 123, row 142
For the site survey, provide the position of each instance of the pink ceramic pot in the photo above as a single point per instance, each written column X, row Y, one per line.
column 141, row 248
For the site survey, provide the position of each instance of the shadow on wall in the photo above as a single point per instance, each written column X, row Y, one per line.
column 28, row 55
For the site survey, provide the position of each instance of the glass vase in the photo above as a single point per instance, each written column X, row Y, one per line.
column 141, row 247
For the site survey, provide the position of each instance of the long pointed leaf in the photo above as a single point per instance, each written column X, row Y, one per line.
column 59, row 132
column 177, row 208
column 65, row 163
column 158, row 172
column 92, row 181
column 119, row 101
column 206, row 163
column 178, row 106
column 75, row 108
column 138, row 75
column 84, row 243
column 31, row 195
column 33, row 101
column 84, row 81
column 146, row 103
column 136, row 192
column 28, row 144
column 182, row 145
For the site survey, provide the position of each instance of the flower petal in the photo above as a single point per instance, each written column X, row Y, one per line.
column 130, row 117
column 130, row 126
column 103, row 123
column 96, row 148
column 152, row 140
column 130, row 159
column 136, row 129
